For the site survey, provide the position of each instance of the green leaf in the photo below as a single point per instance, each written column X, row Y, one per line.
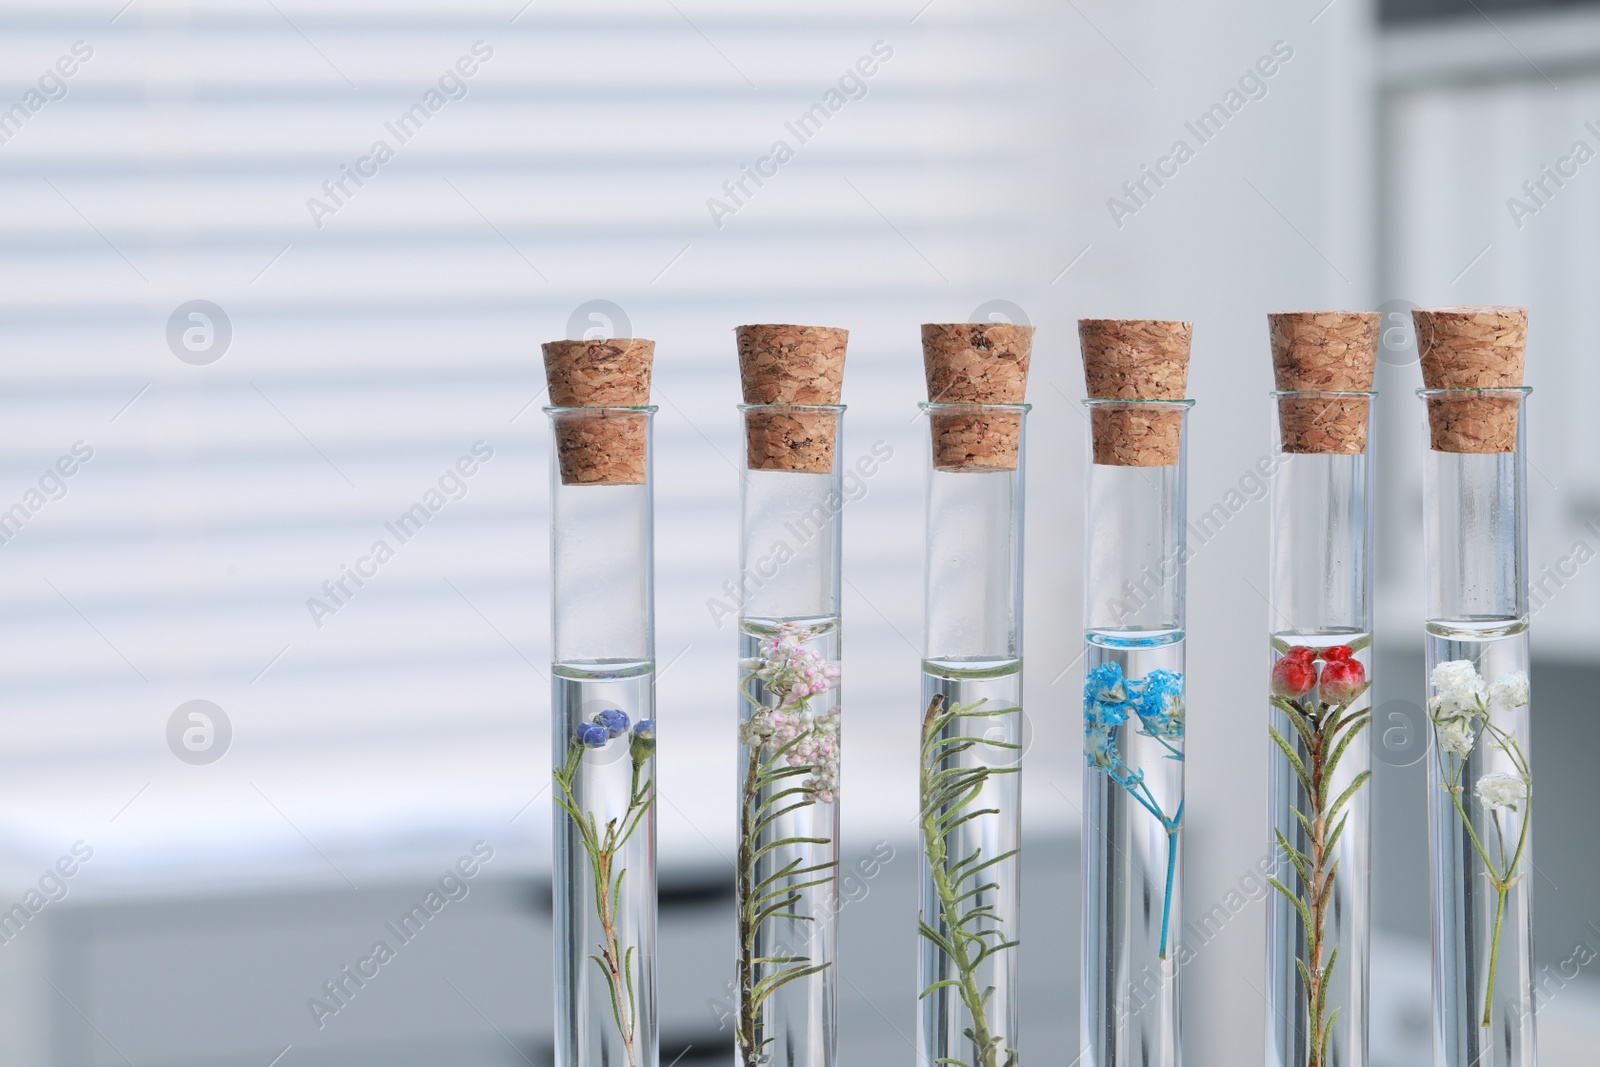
column 945, row 944
column 783, row 842
column 1322, row 996
column 779, row 795
column 939, row 985
column 1280, row 887
column 775, row 910
column 1302, row 863
column 1333, row 838
column 1327, row 1032
column 1302, row 727
column 768, row 777
column 994, row 950
column 1350, row 791
column 627, row 970
column 765, row 987
column 969, row 872
column 789, row 870
column 974, row 892
column 1305, row 823
column 767, row 820
column 1327, row 887
column 945, row 827
column 1354, row 716
column 1300, row 906
column 1294, row 760
column 1333, row 760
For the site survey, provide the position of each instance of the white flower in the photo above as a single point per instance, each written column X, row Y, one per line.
column 1459, row 687
column 1510, row 690
column 1456, row 736
column 757, row 730
column 1501, row 790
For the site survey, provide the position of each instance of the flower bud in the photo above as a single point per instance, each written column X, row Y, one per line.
column 1295, row 674
column 1342, row 679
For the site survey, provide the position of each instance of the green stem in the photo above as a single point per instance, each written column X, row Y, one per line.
column 749, row 1017
column 1494, row 954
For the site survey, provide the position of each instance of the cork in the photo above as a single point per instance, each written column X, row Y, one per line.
column 781, row 364
column 1135, row 359
column 1324, row 351
column 607, row 447
column 1472, row 348
column 976, row 363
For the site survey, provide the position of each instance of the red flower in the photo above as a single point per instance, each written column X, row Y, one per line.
column 1295, row 674
column 1338, row 652
column 1342, row 678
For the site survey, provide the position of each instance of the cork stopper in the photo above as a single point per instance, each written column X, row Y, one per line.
column 605, row 447
column 976, row 363
column 1324, row 351
column 1135, row 359
column 1472, row 348
column 783, row 365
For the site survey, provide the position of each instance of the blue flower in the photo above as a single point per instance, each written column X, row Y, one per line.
column 645, row 728
column 1105, row 696
column 615, row 722
column 1100, row 747
column 1160, row 703
column 1104, row 683
column 592, row 735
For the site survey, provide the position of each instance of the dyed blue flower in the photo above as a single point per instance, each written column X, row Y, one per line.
column 1104, row 683
column 593, row 735
column 645, row 728
column 1105, row 696
column 614, row 721
column 1160, row 703
column 1100, row 748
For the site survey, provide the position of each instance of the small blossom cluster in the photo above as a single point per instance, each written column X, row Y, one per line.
column 790, row 671
column 794, row 675
column 1459, row 708
column 1342, row 679
column 613, row 722
column 1109, row 699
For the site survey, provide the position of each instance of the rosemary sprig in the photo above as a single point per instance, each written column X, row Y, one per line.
column 1325, row 731
column 603, row 846
column 968, row 931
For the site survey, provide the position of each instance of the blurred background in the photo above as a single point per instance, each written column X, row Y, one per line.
column 251, row 362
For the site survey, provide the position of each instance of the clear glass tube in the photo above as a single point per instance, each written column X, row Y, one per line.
column 1136, row 551
column 1319, row 755
column 603, row 758
column 1481, row 783
column 788, row 763
column 971, row 751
